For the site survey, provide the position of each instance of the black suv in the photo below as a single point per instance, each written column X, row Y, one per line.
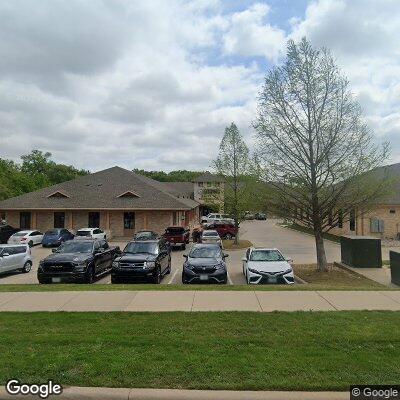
column 6, row 231
column 205, row 264
column 147, row 260
column 77, row 261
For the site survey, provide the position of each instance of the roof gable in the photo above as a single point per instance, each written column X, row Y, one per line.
column 128, row 193
column 58, row 194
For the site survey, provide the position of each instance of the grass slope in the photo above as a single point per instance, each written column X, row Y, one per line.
column 255, row 351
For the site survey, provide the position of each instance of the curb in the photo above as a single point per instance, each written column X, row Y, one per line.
column 305, row 233
column 99, row 393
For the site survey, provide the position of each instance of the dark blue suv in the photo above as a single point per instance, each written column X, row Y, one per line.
column 54, row 237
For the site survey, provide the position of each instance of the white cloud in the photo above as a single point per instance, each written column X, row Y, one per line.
column 248, row 34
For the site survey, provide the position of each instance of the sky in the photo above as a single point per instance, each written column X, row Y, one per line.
column 152, row 84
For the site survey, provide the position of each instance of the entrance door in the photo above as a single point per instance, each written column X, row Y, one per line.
column 129, row 223
column 94, row 220
column 25, row 220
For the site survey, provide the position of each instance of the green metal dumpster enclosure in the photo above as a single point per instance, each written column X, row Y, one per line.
column 395, row 267
column 361, row 251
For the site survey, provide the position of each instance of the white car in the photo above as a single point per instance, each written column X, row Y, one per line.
column 15, row 257
column 94, row 233
column 211, row 237
column 26, row 237
column 213, row 217
column 267, row 266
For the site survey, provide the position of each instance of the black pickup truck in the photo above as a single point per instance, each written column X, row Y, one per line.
column 77, row 261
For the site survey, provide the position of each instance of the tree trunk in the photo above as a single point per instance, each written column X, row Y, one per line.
column 320, row 247
column 237, row 234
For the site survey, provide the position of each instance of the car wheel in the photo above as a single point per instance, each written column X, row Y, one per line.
column 184, row 246
column 90, row 276
column 114, row 280
column 27, row 267
column 168, row 268
column 228, row 236
column 157, row 278
column 184, row 280
column 30, row 244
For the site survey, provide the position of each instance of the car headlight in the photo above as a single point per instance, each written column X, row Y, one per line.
column 149, row 264
column 288, row 271
column 115, row 264
column 219, row 266
column 254, row 271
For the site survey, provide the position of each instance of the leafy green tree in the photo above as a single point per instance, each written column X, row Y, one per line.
column 235, row 166
column 173, row 176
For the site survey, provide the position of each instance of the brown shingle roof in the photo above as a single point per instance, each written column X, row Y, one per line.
column 100, row 190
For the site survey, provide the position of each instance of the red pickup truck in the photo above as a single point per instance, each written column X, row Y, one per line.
column 177, row 236
column 225, row 230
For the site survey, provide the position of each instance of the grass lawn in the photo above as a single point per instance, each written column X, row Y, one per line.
column 334, row 277
column 304, row 229
column 254, row 351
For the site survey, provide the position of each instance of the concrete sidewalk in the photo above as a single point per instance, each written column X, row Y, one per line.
column 82, row 393
column 262, row 301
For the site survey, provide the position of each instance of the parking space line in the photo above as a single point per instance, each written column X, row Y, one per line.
column 229, row 278
column 173, row 277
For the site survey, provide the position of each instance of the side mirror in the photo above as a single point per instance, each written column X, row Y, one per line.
column 225, row 256
column 185, row 256
column 54, row 250
column 289, row 260
column 244, row 259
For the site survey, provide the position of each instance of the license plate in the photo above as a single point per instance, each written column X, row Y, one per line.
column 55, row 280
column 272, row 279
column 204, row 277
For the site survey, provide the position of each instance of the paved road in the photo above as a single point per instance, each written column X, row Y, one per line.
column 295, row 245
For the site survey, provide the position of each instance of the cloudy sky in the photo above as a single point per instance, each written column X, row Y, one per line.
column 152, row 84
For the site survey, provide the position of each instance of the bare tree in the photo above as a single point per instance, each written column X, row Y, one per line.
column 234, row 165
column 314, row 145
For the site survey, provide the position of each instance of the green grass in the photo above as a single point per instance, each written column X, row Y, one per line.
column 230, row 244
column 365, row 285
column 253, row 351
column 304, row 229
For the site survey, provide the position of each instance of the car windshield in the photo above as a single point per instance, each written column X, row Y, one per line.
column 144, row 235
column 205, row 252
column 76, row 247
column 210, row 233
column 53, row 232
column 141, row 247
column 266, row 255
column 22, row 233
column 83, row 233
column 174, row 231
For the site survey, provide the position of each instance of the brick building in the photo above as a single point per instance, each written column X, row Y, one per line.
column 118, row 201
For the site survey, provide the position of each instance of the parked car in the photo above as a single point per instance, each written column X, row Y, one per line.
column 213, row 217
column 177, row 236
column 211, row 237
column 77, row 261
column 146, row 260
column 225, row 230
column 54, row 237
column 267, row 266
column 15, row 257
column 26, row 237
column 146, row 235
column 6, row 231
column 205, row 263
column 94, row 233
column 249, row 216
column 260, row 216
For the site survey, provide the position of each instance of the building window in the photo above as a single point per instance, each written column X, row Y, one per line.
column 59, row 220
column 340, row 218
column 377, row 225
column 94, row 220
column 352, row 220
column 25, row 220
column 129, row 220
column 392, row 211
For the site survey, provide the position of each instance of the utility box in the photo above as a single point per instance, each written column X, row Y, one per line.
column 361, row 251
column 395, row 267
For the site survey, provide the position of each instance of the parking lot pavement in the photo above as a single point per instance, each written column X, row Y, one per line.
column 295, row 245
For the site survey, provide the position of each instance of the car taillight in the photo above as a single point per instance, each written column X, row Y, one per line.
column 23, row 239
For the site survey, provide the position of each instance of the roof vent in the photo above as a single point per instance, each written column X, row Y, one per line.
column 58, row 194
column 129, row 193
